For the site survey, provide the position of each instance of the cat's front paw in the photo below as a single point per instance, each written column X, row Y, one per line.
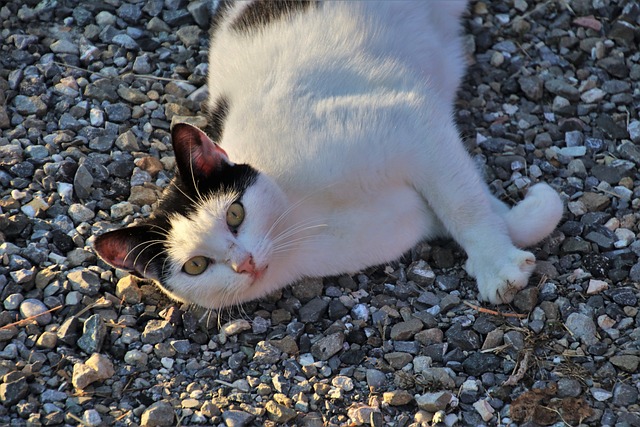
column 500, row 278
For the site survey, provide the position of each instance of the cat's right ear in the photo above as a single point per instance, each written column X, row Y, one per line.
column 197, row 155
column 135, row 249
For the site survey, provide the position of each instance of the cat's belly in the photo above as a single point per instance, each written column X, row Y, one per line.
column 372, row 229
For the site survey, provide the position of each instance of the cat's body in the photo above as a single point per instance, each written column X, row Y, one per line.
column 345, row 109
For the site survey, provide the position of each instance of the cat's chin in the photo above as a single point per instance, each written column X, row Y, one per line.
column 245, row 287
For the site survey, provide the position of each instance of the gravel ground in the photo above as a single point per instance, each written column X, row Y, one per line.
column 88, row 91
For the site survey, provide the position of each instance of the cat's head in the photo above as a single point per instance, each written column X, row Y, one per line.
column 209, row 241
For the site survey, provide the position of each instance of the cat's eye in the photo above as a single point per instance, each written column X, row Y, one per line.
column 196, row 265
column 235, row 215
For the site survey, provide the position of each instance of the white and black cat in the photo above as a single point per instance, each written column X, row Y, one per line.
column 331, row 147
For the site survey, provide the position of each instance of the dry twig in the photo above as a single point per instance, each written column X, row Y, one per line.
column 494, row 312
column 30, row 318
column 522, row 369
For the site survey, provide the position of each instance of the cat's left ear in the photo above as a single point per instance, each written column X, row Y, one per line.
column 196, row 154
column 135, row 249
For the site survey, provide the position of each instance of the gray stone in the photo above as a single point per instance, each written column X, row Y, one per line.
column 634, row 131
column 624, row 297
column 313, row 311
column 189, row 35
column 31, row 307
column 327, row 346
column 434, row 402
column 80, row 213
column 624, row 395
column 626, row 362
column 406, row 330
column 91, row 418
column 266, row 354
column 526, row 299
column 130, row 12
column 30, row 105
column 582, row 327
column 562, row 88
column 478, row 363
column 13, row 388
column 23, row 276
column 532, row 86
column 606, row 123
column 125, row 41
column 93, row 335
column 122, row 209
column 118, row 112
column 64, row 46
column 376, row 379
column 84, row 281
column 101, row 143
column 629, row 151
column 279, row 413
column 438, row 376
column 12, row 302
column 421, row 273
column 307, row 289
column 158, row 414
column 102, row 90
column 447, row 283
column 200, row 12
column 236, row 418
column 464, row 339
column 156, row 331
column 82, row 182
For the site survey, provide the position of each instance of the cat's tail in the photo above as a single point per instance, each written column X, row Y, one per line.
column 535, row 217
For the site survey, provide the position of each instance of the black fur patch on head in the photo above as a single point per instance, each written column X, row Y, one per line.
column 261, row 13
column 180, row 198
column 219, row 15
column 215, row 119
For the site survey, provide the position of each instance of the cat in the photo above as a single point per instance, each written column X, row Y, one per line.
column 330, row 147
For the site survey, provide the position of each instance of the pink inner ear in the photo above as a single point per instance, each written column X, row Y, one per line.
column 113, row 250
column 203, row 155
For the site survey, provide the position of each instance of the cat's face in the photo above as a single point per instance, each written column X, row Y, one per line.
column 210, row 242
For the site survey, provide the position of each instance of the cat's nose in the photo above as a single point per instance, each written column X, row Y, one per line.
column 246, row 266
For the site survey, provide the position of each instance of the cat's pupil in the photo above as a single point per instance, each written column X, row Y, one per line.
column 235, row 216
column 196, row 265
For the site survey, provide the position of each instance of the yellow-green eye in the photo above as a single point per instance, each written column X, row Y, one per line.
column 235, row 215
column 196, row 265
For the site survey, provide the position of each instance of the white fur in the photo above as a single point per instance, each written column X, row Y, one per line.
column 348, row 109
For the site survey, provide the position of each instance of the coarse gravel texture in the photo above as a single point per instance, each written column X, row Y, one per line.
column 88, row 91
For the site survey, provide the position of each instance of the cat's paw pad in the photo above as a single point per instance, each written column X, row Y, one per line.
column 499, row 279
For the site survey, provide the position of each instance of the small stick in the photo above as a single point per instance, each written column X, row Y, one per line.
column 493, row 312
column 142, row 76
column 522, row 369
column 30, row 318
column 76, row 418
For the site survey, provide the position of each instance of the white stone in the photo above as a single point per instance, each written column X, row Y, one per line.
column 593, row 95
column 485, row 410
column 596, row 286
column 578, row 151
column 167, row 362
column 600, row 394
column 306, row 359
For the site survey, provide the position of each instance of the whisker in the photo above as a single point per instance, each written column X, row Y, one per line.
column 183, row 193
column 144, row 271
column 288, row 246
column 150, row 242
column 296, row 205
column 193, row 180
column 304, row 226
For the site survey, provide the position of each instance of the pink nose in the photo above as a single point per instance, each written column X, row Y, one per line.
column 246, row 266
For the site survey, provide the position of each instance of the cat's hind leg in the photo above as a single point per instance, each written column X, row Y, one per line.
column 456, row 192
